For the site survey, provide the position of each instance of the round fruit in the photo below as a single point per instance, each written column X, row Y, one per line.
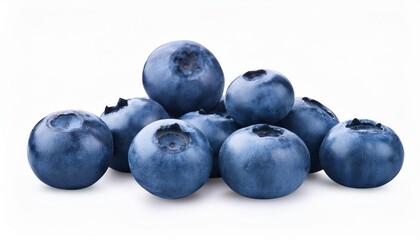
column 170, row 158
column 311, row 121
column 217, row 127
column 263, row 161
column 261, row 96
column 70, row 149
column 125, row 120
column 361, row 154
column 183, row 76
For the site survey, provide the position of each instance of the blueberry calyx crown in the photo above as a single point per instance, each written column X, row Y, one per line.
column 187, row 61
column 172, row 138
column 315, row 103
column 254, row 75
column 121, row 104
column 364, row 126
column 66, row 122
column 267, row 131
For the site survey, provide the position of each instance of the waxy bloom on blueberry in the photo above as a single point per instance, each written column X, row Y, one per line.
column 217, row 127
column 361, row 154
column 170, row 158
column 262, row 96
column 183, row 76
column 125, row 120
column 70, row 149
column 311, row 121
column 264, row 161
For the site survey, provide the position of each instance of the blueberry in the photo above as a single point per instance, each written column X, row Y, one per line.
column 361, row 154
column 70, row 149
column 264, row 161
column 261, row 96
column 183, row 76
column 170, row 158
column 125, row 120
column 311, row 121
column 216, row 127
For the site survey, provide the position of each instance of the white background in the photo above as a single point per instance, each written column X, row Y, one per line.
column 360, row 58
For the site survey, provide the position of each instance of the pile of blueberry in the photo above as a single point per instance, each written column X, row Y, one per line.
column 260, row 138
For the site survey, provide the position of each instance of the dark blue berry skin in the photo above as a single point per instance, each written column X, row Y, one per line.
column 311, row 121
column 70, row 149
column 183, row 76
column 263, row 161
column 217, row 128
column 125, row 120
column 361, row 154
column 170, row 158
column 261, row 96
column 220, row 108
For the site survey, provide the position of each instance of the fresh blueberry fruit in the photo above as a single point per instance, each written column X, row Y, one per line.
column 261, row 96
column 217, row 128
column 361, row 154
column 264, row 161
column 183, row 76
column 170, row 158
column 70, row 149
column 311, row 121
column 125, row 120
